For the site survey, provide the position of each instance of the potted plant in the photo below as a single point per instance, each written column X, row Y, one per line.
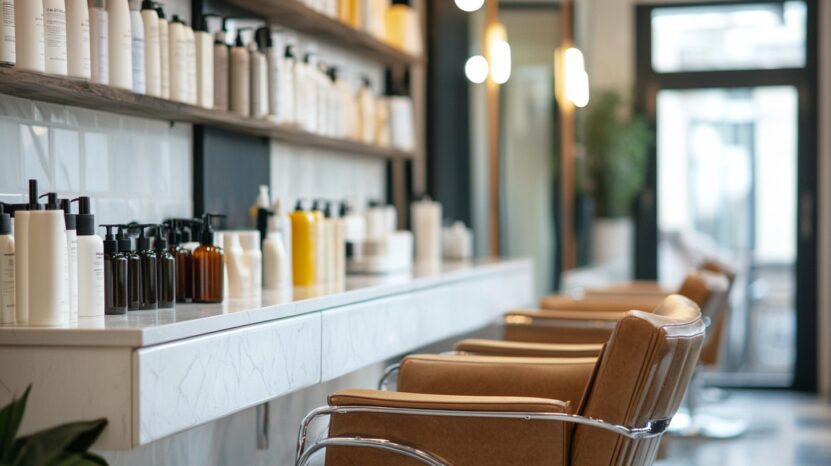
column 616, row 144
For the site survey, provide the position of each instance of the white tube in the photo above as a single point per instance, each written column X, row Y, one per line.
column 137, row 33
column 54, row 33
column 152, row 52
column 204, row 69
column 7, row 280
column 99, row 31
column 48, row 269
column 164, row 57
column 121, row 45
column 7, row 33
column 78, row 45
column 21, row 266
column 30, row 54
column 90, row 276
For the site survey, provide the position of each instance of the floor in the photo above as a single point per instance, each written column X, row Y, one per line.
column 786, row 429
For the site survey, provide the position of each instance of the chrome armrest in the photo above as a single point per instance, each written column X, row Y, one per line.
column 379, row 444
column 391, row 370
column 652, row 429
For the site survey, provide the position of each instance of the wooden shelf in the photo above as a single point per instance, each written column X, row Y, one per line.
column 296, row 16
column 79, row 93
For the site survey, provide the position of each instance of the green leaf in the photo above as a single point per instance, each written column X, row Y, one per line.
column 44, row 447
column 10, row 417
column 84, row 459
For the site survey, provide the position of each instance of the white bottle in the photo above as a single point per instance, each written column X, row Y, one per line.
column 78, row 39
column 99, row 31
column 137, row 31
column 286, row 114
column 339, row 250
column 121, row 44
column 164, row 54
column 272, row 57
column 426, row 219
column 30, row 53
column 72, row 259
column 367, row 109
column 48, row 268
column 152, row 49
column 221, row 70
column 382, row 122
column 279, row 222
column 21, row 266
column 276, row 267
column 259, row 82
column 90, row 269
column 54, row 34
column 204, row 67
column 190, row 71
column 252, row 258
column 178, row 60
column 7, row 272
column 239, row 278
column 240, row 84
column 7, row 33
column 347, row 109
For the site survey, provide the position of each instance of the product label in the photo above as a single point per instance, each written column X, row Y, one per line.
column 55, row 31
column 98, row 269
column 7, row 301
column 7, row 32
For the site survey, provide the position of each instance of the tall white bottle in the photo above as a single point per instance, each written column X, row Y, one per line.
column 276, row 265
column 204, row 67
column 99, row 33
column 252, row 257
column 272, row 57
column 70, row 221
column 137, row 34
column 259, row 82
column 30, row 53
column 90, row 271
column 7, row 33
column 221, row 71
column 152, row 49
column 190, row 72
column 178, row 60
column 48, row 267
column 7, row 272
column 54, row 34
column 239, row 278
column 240, row 83
column 121, row 44
column 164, row 53
column 286, row 114
column 78, row 45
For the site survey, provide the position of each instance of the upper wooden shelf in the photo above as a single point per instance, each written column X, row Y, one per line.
column 79, row 93
column 297, row 16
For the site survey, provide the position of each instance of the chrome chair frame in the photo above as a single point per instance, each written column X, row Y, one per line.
column 652, row 429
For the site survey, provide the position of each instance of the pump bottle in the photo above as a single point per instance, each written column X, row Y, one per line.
column 137, row 47
column 204, row 65
column 178, row 60
column 164, row 53
column 303, row 246
column 99, row 33
column 240, row 74
column 121, row 44
column 252, row 258
column 72, row 258
column 116, row 288
column 152, row 49
column 78, row 39
column 165, row 270
column 259, row 81
column 286, row 112
column 7, row 312
column 208, row 267
column 7, row 32
column 184, row 263
column 90, row 271
column 190, row 66
column 149, row 270
column 30, row 53
column 48, row 268
column 266, row 43
column 21, row 263
column 320, row 242
column 54, row 35
column 125, row 246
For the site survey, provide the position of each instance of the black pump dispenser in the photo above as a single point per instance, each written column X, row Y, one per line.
column 85, row 221
column 149, row 5
column 206, row 237
column 289, row 53
column 238, row 42
column 299, row 206
column 159, row 10
column 125, row 243
column 143, row 242
column 5, row 221
column 160, row 242
column 51, row 201
column 203, row 21
column 33, row 196
column 110, row 241
column 70, row 219
column 264, row 39
column 176, row 19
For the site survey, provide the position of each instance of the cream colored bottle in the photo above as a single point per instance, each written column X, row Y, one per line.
column 178, row 60
column 48, row 268
column 152, row 49
column 239, row 279
column 259, row 81
column 190, row 71
column 240, row 83
column 30, row 53
column 276, row 264
column 121, row 44
column 7, row 272
column 99, row 33
column 252, row 257
column 78, row 45
column 7, row 32
column 21, row 263
column 204, row 67
column 221, row 71
column 137, row 32
column 54, row 36
column 286, row 111
column 367, row 113
column 164, row 53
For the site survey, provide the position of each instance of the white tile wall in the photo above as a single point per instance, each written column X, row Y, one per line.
column 134, row 169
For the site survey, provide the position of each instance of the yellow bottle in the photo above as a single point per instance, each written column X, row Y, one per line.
column 303, row 246
column 402, row 27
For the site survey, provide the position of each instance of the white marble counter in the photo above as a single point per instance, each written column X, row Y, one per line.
column 145, row 328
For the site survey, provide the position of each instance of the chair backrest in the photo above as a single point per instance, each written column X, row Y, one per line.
column 642, row 375
column 716, row 331
column 708, row 290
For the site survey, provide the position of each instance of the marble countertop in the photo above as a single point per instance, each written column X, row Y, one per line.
column 147, row 328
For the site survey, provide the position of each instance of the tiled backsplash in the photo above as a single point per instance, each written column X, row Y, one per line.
column 133, row 169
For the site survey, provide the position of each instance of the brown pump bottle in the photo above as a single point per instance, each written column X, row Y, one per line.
column 208, row 265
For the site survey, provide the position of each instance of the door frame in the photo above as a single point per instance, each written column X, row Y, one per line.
column 804, row 79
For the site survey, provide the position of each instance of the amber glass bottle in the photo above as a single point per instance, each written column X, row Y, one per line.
column 165, row 270
column 184, row 266
column 208, row 266
column 125, row 247
column 115, row 275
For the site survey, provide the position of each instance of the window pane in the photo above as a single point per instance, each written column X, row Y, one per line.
column 724, row 37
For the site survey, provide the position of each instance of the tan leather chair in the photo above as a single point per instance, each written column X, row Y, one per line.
column 487, row 411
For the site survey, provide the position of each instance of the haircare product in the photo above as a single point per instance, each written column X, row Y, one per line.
column 402, row 28
column 272, row 56
column 90, row 271
column 7, row 33
column 329, row 247
column 48, row 266
column 239, row 276
column 54, row 36
column 149, row 270
column 190, row 65
column 152, row 49
column 320, row 242
column 338, row 238
column 354, row 230
column 286, row 113
column 221, row 69
column 30, row 53
column 184, row 263
column 21, row 264
column 204, row 66
column 276, row 264
column 240, row 84
column 164, row 53
column 376, row 221
column 260, row 204
column 208, row 268
column 126, row 247
column 178, row 60
column 78, row 46
column 137, row 31
column 121, row 44
column 99, row 33
column 280, row 222
column 190, row 234
column 252, row 258
column 259, row 81
column 426, row 217
column 375, row 18
column 116, row 288
column 366, row 110
column 165, row 270
column 72, row 258
column 303, row 246
column 306, row 80
column 457, row 242
column 382, row 122
column 7, row 312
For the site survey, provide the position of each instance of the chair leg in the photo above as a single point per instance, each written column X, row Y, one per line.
column 689, row 422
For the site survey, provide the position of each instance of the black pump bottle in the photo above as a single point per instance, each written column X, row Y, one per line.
column 115, row 275
column 125, row 246
column 165, row 270
column 148, row 265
